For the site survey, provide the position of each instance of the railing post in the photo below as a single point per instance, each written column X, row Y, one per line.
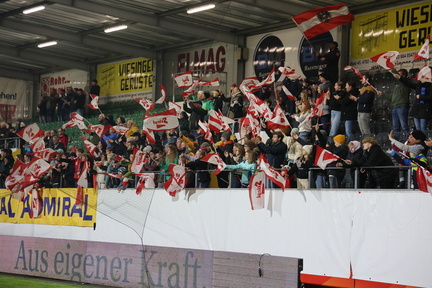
column 356, row 177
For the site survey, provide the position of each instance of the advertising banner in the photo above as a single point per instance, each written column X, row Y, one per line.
column 14, row 99
column 58, row 208
column 126, row 79
column 53, row 82
column 403, row 29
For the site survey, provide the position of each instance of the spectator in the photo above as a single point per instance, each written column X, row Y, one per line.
column 132, row 128
column 365, row 102
column 247, row 167
column 400, row 101
column 201, row 168
column 340, row 149
column 63, row 138
column 349, row 107
column 42, row 106
column 301, row 167
column 332, row 61
column 94, row 88
column 421, row 110
column 235, row 109
column 336, row 107
column 197, row 113
column 305, row 120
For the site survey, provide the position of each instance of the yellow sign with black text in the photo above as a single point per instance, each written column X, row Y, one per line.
column 58, row 208
column 126, row 77
column 402, row 29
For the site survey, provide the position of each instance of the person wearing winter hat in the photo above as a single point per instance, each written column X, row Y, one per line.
column 416, row 143
column 301, row 167
column 308, row 149
column 339, row 139
column 339, row 148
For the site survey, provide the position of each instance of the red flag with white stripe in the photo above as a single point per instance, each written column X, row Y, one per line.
column 177, row 182
column 31, row 133
column 324, row 157
column 91, row 148
column 288, row 93
column 274, row 175
column 162, row 99
column 37, row 168
column 215, row 159
column 191, row 89
column 184, row 79
column 207, row 131
column 270, row 79
column 257, row 191
column 173, row 105
column 425, row 74
column 355, row 70
column 146, row 180
column 100, row 129
column 279, row 120
column 423, row 54
column 36, row 203
column 112, row 175
column 138, row 160
column 94, row 103
column 46, row 154
column 288, row 72
column 320, row 20
column 213, row 83
column 250, row 84
column 386, row 60
column 215, row 121
column 120, row 129
column 424, row 180
column 149, row 135
column 38, row 145
column 166, row 120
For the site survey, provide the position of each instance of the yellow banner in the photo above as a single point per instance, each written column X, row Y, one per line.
column 58, row 208
column 126, row 77
column 401, row 29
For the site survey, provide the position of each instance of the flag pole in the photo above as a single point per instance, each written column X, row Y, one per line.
column 303, row 34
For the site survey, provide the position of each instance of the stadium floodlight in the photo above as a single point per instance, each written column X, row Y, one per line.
column 200, row 8
column 34, row 9
column 115, row 28
column 46, row 44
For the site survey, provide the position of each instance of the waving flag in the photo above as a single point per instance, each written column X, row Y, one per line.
column 38, row 145
column 215, row 159
column 320, row 20
column 324, row 157
column 162, row 99
column 279, row 120
column 386, row 60
column 269, row 80
column 249, row 85
column 120, row 129
column 213, row 83
column 94, row 103
column 288, row 72
column 145, row 103
column 191, row 89
column 146, row 180
column 138, row 160
column 424, row 180
column 46, row 154
column 91, row 148
column 173, row 105
column 177, row 182
column 423, row 54
column 274, row 175
column 37, row 168
column 184, row 79
column 355, row 70
column 149, row 135
column 112, row 175
column 425, row 74
column 257, row 191
column 100, row 129
column 36, row 203
column 76, row 120
column 289, row 95
column 207, row 131
column 215, row 121
column 166, row 120
column 31, row 133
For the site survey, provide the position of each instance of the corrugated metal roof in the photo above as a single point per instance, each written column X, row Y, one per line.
column 153, row 26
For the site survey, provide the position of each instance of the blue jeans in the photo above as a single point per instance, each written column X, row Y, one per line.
column 325, row 121
column 421, row 124
column 335, row 122
column 304, row 136
column 400, row 119
column 349, row 128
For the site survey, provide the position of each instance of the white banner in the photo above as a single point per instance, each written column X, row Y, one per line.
column 14, row 99
column 74, row 78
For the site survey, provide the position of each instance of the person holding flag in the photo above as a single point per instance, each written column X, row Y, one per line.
column 332, row 62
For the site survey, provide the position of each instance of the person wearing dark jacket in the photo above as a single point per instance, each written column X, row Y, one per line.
column 275, row 151
column 375, row 156
column 400, row 101
column 421, row 110
column 197, row 113
column 340, row 149
column 336, row 107
column 201, row 168
column 332, row 60
column 348, row 103
column 301, row 167
column 352, row 161
column 365, row 102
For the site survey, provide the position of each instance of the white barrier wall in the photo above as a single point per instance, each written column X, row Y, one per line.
column 383, row 235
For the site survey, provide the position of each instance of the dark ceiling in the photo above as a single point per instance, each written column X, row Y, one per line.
column 154, row 26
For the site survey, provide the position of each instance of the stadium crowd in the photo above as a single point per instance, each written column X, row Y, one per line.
column 290, row 150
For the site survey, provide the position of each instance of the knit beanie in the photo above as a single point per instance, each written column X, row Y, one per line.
column 340, row 139
column 418, row 135
column 308, row 149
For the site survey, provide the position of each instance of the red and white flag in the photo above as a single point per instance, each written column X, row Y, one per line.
column 207, row 131
column 274, row 175
column 149, row 135
column 184, row 79
column 46, row 154
column 146, row 104
column 423, row 54
column 36, row 203
column 191, row 89
column 173, row 105
column 99, row 129
column 249, row 85
column 166, row 120
column 31, row 133
column 76, row 120
column 386, row 60
column 270, row 79
column 138, row 160
column 320, row 102
column 425, row 74
column 288, row 72
column 324, row 157
column 112, row 175
column 94, row 103
column 120, row 129
column 320, row 20
column 91, row 148
column 177, row 182
column 215, row 121
column 162, row 99
column 355, row 70
column 213, row 83
column 38, row 145
column 215, row 159
column 424, row 180
column 289, row 95
column 279, row 120
column 37, row 168
column 257, row 191
column 146, row 180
